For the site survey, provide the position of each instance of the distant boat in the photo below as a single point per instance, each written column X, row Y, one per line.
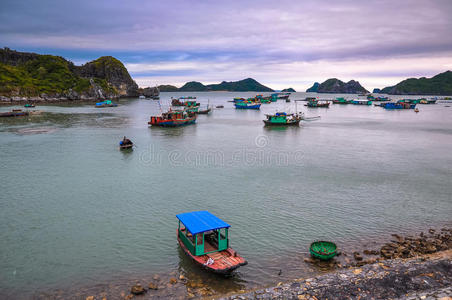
column 219, row 106
column 341, row 100
column 125, row 144
column 245, row 105
column 362, row 102
column 205, row 239
column 398, row 105
column 173, row 119
column 282, row 119
column 106, row 103
column 315, row 103
column 29, row 105
column 14, row 113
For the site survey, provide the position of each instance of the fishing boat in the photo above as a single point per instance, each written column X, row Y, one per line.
column 238, row 99
column 29, row 105
column 398, row 105
column 361, row 102
column 315, row 103
column 125, row 144
column 204, row 238
column 219, row 106
column 282, row 119
column 246, row 105
column 106, row 103
column 14, row 113
column 341, row 100
column 416, row 110
column 173, row 118
column 323, row 250
column 204, row 111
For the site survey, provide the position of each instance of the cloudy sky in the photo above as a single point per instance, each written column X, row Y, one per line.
column 279, row 43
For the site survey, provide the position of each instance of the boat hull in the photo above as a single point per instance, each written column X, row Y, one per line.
column 173, row 123
column 219, row 266
column 256, row 106
column 269, row 123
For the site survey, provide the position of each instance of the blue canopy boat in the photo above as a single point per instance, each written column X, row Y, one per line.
column 245, row 105
column 204, row 238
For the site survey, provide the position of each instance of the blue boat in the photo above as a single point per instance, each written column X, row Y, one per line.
column 398, row 105
column 106, row 103
column 244, row 105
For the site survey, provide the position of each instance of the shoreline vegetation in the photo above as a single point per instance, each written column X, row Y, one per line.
column 409, row 265
column 47, row 78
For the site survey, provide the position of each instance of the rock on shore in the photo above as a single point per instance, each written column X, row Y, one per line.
column 390, row 279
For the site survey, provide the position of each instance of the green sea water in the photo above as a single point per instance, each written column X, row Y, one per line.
column 76, row 211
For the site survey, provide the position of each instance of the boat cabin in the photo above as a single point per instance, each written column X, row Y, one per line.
column 201, row 232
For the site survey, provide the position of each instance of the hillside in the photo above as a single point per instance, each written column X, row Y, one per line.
column 313, row 88
column 440, row 84
column 41, row 77
column 245, row 85
column 334, row 85
column 289, row 90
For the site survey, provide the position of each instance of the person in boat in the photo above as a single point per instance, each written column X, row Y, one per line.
column 126, row 141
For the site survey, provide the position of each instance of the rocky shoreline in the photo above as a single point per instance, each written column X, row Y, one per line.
column 414, row 278
column 407, row 267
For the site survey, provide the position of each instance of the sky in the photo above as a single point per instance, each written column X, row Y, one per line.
column 281, row 43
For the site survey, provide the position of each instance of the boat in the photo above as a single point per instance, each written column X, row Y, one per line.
column 106, row 103
column 416, row 110
column 398, row 105
column 246, row 105
column 361, row 102
column 125, row 144
column 341, row 100
column 238, row 99
column 141, row 97
column 282, row 119
column 14, row 113
column 204, row 238
column 204, row 111
column 29, row 105
column 315, row 103
column 173, row 119
column 323, row 250
column 219, row 106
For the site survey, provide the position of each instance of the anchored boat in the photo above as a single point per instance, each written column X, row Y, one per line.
column 106, row 103
column 316, row 103
column 204, row 238
column 341, row 100
column 283, row 119
column 15, row 113
column 362, row 102
column 173, row 119
column 246, row 105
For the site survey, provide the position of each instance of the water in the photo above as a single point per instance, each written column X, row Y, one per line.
column 75, row 211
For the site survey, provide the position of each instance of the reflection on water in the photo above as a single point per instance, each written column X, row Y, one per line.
column 78, row 214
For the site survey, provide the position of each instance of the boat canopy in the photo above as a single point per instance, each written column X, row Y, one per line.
column 201, row 221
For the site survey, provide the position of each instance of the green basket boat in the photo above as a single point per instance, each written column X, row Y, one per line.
column 323, row 250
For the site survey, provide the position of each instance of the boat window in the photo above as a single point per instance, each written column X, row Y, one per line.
column 223, row 233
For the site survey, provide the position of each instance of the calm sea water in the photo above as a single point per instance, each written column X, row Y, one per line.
column 75, row 211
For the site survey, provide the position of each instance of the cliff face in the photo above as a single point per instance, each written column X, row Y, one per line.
column 31, row 76
column 334, row 85
column 440, row 84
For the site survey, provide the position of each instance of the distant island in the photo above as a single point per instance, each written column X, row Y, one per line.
column 440, row 84
column 34, row 76
column 289, row 90
column 245, row 85
column 334, row 85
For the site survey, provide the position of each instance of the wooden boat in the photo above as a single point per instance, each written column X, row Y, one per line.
column 14, row 113
column 362, row 102
column 416, row 110
column 341, row 100
column 204, row 238
column 246, row 105
column 125, row 144
column 106, row 103
column 282, row 119
column 398, row 105
column 323, row 250
column 316, row 103
column 219, row 106
column 29, row 105
column 173, row 119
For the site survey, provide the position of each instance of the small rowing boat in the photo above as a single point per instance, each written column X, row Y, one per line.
column 323, row 250
column 204, row 238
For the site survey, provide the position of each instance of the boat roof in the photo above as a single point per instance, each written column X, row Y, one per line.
column 201, row 221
